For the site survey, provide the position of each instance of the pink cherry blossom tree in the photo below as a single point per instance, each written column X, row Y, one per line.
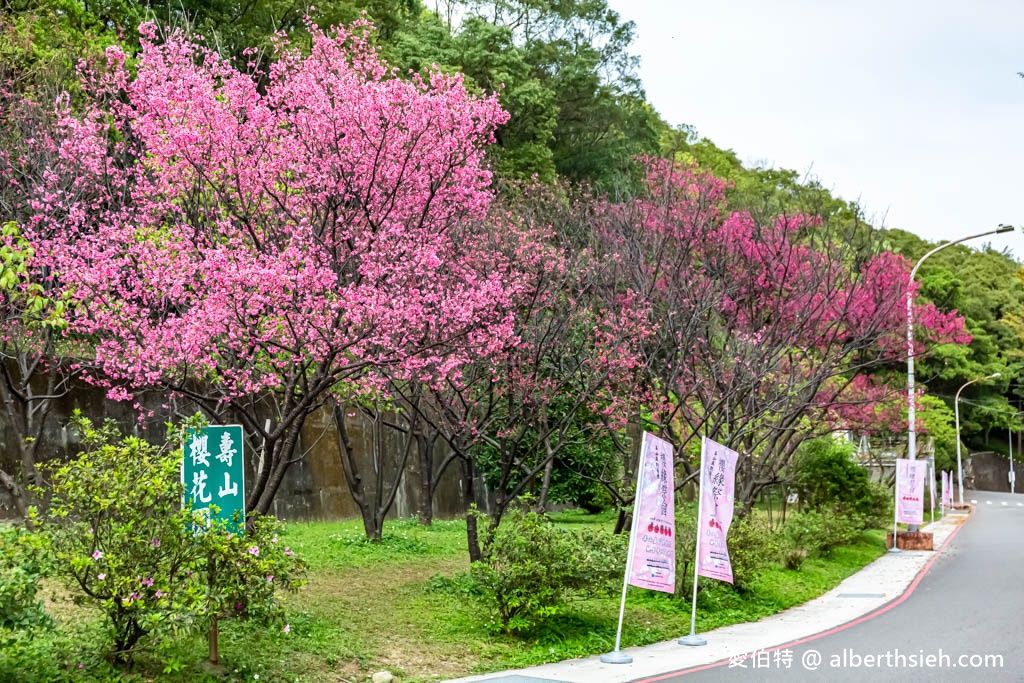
column 761, row 324
column 285, row 233
column 566, row 377
column 39, row 363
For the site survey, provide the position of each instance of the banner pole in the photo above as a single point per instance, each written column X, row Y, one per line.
column 617, row 656
column 693, row 639
column 896, row 510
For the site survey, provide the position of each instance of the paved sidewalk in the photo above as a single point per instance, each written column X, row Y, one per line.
column 880, row 582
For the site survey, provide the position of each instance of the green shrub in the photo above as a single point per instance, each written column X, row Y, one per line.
column 686, row 546
column 793, row 558
column 462, row 585
column 753, row 548
column 819, row 533
column 530, row 566
column 122, row 542
column 250, row 570
column 22, row 564
column 830, row 480
column 579, row 470
column 581, row 463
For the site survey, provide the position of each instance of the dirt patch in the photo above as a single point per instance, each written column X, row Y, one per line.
column 381, row 610
column 59, row 604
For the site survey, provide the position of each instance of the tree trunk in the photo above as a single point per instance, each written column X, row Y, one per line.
column 624, row 521
column 262, row 473
column 385, row 497
column 18, row 422
column 545, row 487
column 17, row 493
column 280, row 460
column 273, row 483
column 373, row 527
column 352, row 475
column 472, row 535
column 372, row 507
column 630, row 465
column 426, row 449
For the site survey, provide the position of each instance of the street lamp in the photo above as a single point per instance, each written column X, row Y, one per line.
column 1012, row 477
column 956, row 410
column 911, row 417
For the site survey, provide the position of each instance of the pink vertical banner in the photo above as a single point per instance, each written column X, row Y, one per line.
column 718, row 493
column 653, row 538
column 931, row 489
column 947, row 497
column 910, row 476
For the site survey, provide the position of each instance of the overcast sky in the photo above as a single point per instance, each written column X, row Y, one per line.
column 912, row 108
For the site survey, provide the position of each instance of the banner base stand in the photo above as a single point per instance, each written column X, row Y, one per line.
column 912, row 540
column 693, row 640
column 616, row 657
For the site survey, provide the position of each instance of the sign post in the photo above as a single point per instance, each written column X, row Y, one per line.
column 213, row 475
column 651, row 559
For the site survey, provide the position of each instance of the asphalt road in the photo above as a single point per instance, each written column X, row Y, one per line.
column 963, row 622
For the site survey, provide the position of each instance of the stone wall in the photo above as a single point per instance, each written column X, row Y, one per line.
column 988, row 471
column 314, row 488
column 58, row 441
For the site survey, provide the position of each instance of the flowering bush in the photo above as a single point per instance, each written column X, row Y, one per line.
column 249, row 570
column 123, row 542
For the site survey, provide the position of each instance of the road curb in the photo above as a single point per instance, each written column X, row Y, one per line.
column 878, row 587
column 896, row 601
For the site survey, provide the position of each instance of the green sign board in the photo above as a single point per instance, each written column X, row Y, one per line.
column 213, row 474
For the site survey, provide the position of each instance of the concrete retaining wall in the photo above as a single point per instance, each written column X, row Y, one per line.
column 988, row 471
column 314, row 488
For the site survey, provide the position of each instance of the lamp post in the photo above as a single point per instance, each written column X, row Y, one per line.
column 956, row 411
column 1013, row 477
column 911, row 426
column 911, row 417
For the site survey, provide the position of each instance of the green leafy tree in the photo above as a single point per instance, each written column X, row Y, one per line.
column 234, row 28
column 982, row 285
column 939, row 424
column 33, row 373
column 762, row 191
column 492, row 62
column 565, row 75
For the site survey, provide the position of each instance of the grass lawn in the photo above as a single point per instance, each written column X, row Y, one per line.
column 371, row 607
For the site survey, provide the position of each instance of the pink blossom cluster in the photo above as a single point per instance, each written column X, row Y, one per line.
column 239, row 236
